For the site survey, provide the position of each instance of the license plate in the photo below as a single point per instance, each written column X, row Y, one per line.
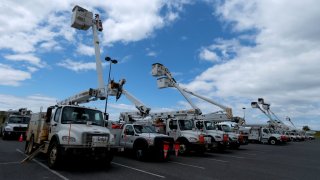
column 99, row 141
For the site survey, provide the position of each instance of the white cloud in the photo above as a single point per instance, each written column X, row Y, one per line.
column 208, row 55
column 30, row 58
column 83, row 49
column 32, row 102
column 152, row 54
column 77, row 65
column 12, row 77
column 282, row 65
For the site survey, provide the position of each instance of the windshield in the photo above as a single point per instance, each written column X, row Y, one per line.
column 209, row 125
column 143, row 129
column 79, row 115
column 225, row 128
column 185, row 125
column 19, row 120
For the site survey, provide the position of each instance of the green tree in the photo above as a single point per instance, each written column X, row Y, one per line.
column 306, row 128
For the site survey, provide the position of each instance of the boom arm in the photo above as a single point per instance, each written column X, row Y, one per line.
column 116, row 89
column 166, row 80
column 225, row 108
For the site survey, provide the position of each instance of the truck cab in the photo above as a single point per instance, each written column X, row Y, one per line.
column 233, row 137
column 219, row 139
column 265, row 135
column 143, row 140
column 66, row 130
column 184, row 132
column 16, row 123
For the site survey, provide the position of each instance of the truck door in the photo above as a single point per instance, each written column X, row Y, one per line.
column 54, row 122
column 265, row 134
column 173, row 129
column 127, row 137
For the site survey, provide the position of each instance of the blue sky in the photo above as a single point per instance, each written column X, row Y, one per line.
column 233, row 52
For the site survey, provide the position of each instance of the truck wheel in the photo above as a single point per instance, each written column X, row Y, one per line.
column 140, row 153
column 29, row 146
column 184, row 147
column 54, row 157
column 106, row 161
column 4, row 136
column 272, row 141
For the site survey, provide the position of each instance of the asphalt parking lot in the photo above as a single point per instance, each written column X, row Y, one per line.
column 295, row 160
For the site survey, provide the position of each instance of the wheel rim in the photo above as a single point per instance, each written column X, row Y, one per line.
column 53, row 155
column 182, row 148
column 273, row 141
column 139, row 154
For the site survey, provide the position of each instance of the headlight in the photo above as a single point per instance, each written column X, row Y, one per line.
column 8, row 128
column 193, row 139
column 68, row 139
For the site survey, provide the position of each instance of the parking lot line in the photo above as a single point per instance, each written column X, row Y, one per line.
column 213, row 159
column 239, row 157
column 251, row 154
column 187, row 165
column 146, row 172
column 5, row 163
column 46, row 167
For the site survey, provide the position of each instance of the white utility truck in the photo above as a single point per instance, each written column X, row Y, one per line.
column 144, row 141
column 178, row 125
column 16, row 123
column 165, row 80
column 66, row 130
column 265, row 134
column 135, row 133
column 219, row 139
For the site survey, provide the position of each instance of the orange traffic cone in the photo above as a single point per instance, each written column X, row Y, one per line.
column 21, row 138
column 165, row 149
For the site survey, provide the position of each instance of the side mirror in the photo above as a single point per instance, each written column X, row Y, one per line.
column 106, row 116
column 106, row 123
column 49, row 114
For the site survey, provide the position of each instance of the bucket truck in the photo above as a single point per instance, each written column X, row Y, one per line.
column 137, row 135
column 267, row 133
column 165, row 79
column 67, row 128
column 15, row 124
column 180, row 126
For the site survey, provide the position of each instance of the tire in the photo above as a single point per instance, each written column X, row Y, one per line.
column 106, row 161
column 140, row 150
column 4, row 136
column 273, row 141
column 29, row 147
column 54, row 156
column 184, row 148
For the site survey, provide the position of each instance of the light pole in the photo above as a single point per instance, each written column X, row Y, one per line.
column 112, row 61
column 244, row 113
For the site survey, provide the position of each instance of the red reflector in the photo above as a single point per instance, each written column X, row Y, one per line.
column 225, row 138
column 201, row 138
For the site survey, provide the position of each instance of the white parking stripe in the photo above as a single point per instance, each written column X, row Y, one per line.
column 5, row 163
column 212, row 159
column 46, row 167
column 146, row 172
column 252, row 154
column 239, row 157
column 187, row 165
